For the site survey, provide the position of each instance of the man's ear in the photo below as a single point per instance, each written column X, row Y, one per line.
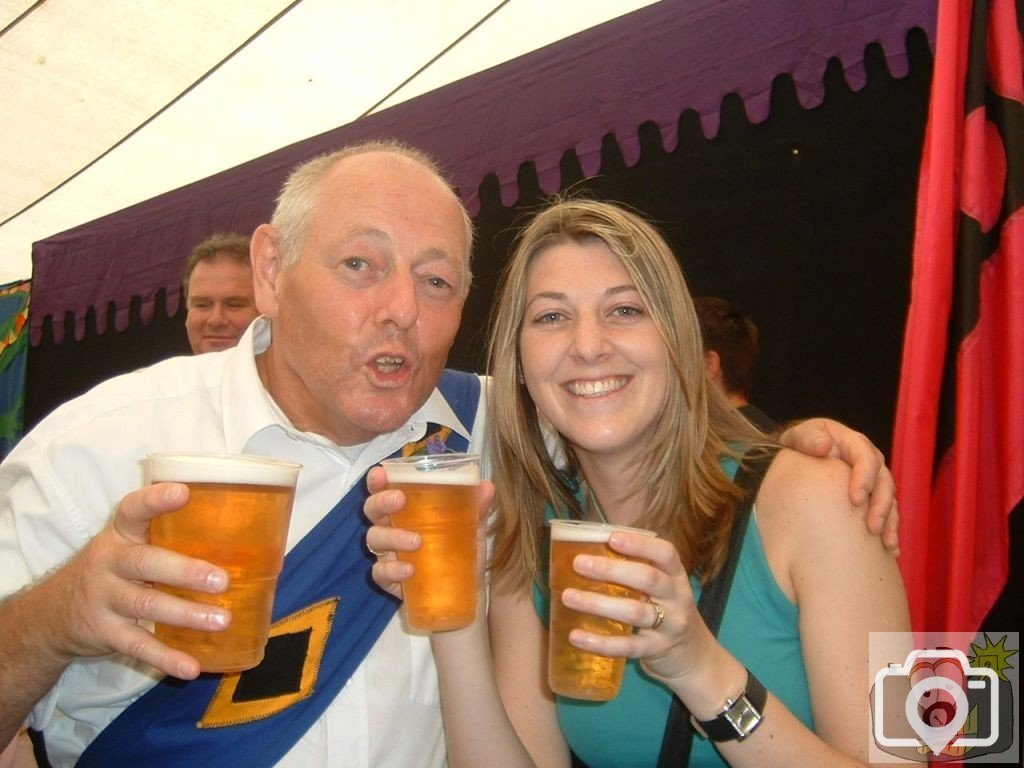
column 267, row 264
column 712, row 365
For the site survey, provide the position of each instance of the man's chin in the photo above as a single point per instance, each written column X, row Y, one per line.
column 392, row 413
column 218, row 346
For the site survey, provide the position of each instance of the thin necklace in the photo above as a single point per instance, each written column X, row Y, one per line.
column 595, row 504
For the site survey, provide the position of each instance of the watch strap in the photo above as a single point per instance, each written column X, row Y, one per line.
column 740, row 716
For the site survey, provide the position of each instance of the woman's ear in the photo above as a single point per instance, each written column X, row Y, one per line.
column 267, row 266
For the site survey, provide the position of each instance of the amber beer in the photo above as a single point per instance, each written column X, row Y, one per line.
column 441, row 495
column 237, row 518
column 572, row 671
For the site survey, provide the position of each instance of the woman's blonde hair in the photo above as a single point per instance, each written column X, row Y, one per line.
column 688, row 497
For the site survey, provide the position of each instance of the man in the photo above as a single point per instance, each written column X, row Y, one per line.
column 730, row 356
column 360, row 277
column 218, row 292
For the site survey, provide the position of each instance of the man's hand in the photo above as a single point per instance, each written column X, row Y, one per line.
column 98, row 597
column 109, row 583
column 92, row 605
column 871, row 481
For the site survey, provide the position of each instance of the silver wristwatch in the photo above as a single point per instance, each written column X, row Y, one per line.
column 739, row 718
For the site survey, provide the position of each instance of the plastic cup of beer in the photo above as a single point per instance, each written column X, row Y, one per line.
column 572, row 671
column 441, row 497
column 237, row 518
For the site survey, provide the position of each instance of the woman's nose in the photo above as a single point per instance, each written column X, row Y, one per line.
column 590, row 337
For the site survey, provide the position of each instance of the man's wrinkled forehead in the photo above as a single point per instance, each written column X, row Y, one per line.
column 371, row 195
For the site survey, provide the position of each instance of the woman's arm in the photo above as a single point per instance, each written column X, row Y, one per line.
column 845, row 585
column 519, row 643
column 477, row 729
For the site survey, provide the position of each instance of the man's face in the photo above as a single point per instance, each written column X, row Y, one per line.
column 364, row 317
column 221, row 304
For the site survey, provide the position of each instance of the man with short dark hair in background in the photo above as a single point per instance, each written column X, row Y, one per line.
column 730, row 355
column 218, row 291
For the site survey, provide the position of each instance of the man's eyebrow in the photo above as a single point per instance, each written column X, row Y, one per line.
column 384, row 240
column 358, row 232
column 433, row 254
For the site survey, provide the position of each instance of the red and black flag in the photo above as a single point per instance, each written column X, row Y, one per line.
column 958, row 446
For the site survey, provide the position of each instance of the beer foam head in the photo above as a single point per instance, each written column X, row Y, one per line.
column 588, row 531
column 442, row 469
column 221, row 468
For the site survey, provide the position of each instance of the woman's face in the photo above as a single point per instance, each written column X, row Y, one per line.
column 592, row 357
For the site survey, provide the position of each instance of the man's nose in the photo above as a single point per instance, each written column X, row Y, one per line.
column 218, row 315
column 399, row 300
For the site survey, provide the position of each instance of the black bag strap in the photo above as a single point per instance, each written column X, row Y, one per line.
column 678, row 738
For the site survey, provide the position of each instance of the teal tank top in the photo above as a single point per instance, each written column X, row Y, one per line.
column 760, row 628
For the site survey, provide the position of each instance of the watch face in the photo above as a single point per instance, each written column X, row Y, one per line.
column 739, row 718
column 744, row 717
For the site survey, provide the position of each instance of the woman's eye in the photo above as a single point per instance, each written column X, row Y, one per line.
column 627, row 311
column 549, row 317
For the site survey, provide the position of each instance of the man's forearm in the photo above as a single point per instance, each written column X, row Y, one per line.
column 30, row 659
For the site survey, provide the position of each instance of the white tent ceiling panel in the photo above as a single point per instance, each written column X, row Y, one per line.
column 11, row 10
column 78, row 76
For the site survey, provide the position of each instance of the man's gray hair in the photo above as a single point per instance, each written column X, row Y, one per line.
column 298, row 196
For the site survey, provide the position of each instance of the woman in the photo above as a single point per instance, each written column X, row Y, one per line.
column 595, row 340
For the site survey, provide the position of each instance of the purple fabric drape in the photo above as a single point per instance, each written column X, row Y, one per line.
column 648, row 66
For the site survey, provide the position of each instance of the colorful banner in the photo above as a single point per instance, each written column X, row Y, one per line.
column 13, row 351
column 958, row 448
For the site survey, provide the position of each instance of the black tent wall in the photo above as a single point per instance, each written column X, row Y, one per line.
column 805, row 220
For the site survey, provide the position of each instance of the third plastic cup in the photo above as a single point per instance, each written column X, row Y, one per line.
column 572, row 671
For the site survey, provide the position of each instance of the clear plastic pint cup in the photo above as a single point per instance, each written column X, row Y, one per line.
column 237, row 518
column 441, row 497
column 572, row 671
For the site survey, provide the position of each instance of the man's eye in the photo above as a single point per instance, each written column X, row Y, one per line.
column 439, row 282
column 356, row 265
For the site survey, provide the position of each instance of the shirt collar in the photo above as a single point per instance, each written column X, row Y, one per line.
column 247, row 406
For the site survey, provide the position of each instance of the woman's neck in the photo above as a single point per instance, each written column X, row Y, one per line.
column 615, row 489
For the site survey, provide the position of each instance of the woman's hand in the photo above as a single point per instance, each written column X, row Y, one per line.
column 666, row 648
column 674, row 644
column 385, row 541
column 382, row 539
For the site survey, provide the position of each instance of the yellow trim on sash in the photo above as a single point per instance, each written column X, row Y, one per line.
column 436, row 439
column 224, row 711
